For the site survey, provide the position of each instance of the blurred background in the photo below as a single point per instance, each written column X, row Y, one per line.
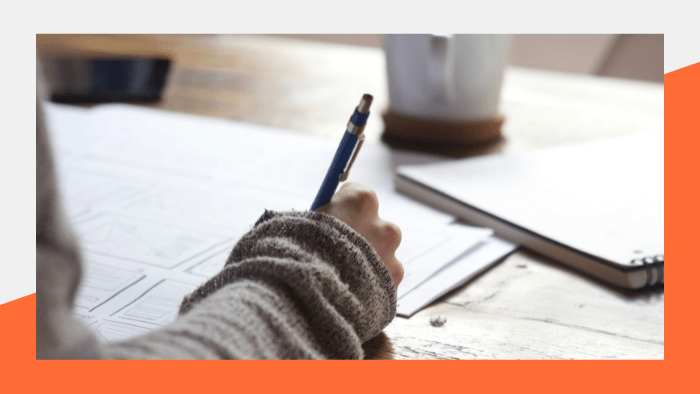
column 633, row 56
column 557, row 89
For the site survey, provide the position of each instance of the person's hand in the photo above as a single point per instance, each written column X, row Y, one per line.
column 357, row 206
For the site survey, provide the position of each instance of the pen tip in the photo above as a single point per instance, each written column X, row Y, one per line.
column 366, row 101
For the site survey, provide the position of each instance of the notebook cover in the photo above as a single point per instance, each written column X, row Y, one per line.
column 604, row 198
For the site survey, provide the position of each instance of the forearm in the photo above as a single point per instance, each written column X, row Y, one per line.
column 244, row 320
column 298, row 285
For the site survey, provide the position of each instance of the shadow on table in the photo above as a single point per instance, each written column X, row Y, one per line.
column 379, row 348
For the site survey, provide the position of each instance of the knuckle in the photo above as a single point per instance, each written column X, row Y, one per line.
column 399, row 272
column 396, row 271
column 392, row 234
column 369, row 199
column 365, row 199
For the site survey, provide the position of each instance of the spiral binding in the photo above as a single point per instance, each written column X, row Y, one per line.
column 651, row 262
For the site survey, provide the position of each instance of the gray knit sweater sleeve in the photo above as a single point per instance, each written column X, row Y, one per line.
column 298, row 285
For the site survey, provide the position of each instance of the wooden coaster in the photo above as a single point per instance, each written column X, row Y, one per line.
column 456, row 139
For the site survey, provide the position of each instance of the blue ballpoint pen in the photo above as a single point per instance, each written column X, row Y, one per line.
column 346, row 153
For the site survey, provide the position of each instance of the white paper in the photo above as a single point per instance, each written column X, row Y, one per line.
column 453, row 275
column 426, row 251
column 158, row 199
column 581, row 195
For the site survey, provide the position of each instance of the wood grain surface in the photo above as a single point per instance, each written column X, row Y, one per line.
column 526, row 307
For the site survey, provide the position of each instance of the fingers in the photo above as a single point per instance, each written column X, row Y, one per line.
column 395, row 270
column 386, row 238
column 359, row 198
column 358, row 206
column 391, row 233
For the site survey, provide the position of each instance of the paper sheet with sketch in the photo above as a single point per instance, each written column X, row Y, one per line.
column 158, row 200
column 453, row 274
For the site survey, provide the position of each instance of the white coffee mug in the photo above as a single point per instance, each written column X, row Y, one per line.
column 446, row 77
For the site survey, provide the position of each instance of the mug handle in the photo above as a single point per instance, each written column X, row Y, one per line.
column 441, row 66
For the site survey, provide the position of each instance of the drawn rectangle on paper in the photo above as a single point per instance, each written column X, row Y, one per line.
column 212, row 265
column 158, row 244
column 234, row 210
column 100, row 282
column 143, row 132
column 152, row 309
column 85, row 192
column 159, row 305
column 82, row 316
column 110, row 331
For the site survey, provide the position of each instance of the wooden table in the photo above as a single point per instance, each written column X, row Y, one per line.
column 526, row 307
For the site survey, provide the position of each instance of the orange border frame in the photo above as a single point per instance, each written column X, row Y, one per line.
column 22, row 373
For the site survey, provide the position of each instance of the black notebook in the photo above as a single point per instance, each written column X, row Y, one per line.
column 597, row 207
